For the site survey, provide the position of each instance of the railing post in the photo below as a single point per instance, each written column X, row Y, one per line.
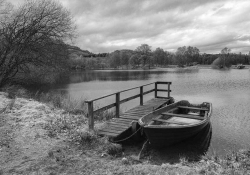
column 90, row 115
column 141, row 95
column 156, row 89
column 117, row 104
column 169, row 89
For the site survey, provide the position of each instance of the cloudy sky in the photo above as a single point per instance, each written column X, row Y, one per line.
column 210, row 25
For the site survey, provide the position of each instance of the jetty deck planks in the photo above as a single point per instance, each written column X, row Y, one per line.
column 116, row 126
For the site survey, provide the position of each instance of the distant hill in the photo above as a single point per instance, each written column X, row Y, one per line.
column 76, row 52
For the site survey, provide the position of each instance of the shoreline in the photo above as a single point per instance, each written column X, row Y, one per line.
column 154, row 68
column 167, row 67
column 39, row 139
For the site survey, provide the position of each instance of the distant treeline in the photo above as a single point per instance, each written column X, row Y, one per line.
column 144, row 57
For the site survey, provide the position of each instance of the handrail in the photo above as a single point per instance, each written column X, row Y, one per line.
column 118, row 101
column 95, row 99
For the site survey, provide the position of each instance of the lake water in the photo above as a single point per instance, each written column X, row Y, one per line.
column 228, row 91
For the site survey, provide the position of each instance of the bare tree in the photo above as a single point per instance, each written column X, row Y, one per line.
column 34, row 35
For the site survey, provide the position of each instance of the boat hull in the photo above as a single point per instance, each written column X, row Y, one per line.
column 160, row 137
column 160, row 134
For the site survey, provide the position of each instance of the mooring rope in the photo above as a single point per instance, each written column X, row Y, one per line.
column 143, row 147
column 127, row 137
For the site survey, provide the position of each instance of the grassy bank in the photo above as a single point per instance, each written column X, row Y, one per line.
column 42, row 138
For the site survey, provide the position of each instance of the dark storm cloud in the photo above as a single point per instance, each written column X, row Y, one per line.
column 210, row 25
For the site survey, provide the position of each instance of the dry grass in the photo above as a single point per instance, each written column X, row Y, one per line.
column 8, row 107
column 104, row 115
column 62, row 101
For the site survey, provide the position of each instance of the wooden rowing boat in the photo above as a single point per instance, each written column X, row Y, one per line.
column 175, row 122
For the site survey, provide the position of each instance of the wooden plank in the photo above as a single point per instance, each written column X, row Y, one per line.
column 163, row 90
column 125, row 114
column 185, row 116
column 163, row 82
column 137, row 113
column 140, row 110
column 90, row 115
column 121, row 119
column 170, row 122
column 162, row 97
column 116, row 125
column 155, row 89
column 154, row 105
column 155, row 102
column 169, row 89
column 146, row 104
column 193, row 108
column 110, row 125
column 148, row 107
column 131, row 117
column 122, row 125
column 130, row 98
column 105, row 107
column 119, row 123
column 141, row 95
column 155, row 99
column 124, row 122
column 117, row 108
column 113, row 130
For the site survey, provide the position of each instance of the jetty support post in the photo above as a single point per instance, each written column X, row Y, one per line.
column 156, row 89
column 141, row 95
column 90, row 115
column 169, row 89
column 117, row 110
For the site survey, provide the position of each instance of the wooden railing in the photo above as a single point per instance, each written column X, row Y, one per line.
column 118, row 102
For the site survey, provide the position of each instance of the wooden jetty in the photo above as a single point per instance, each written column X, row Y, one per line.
column 126, row 122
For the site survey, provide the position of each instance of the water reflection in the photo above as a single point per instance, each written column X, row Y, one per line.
column 122, row 75
column 192, row 149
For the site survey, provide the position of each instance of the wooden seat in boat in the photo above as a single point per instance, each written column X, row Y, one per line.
column 198, row 117
column 193, row 108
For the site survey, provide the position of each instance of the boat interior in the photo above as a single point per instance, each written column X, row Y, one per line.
column 183, row 114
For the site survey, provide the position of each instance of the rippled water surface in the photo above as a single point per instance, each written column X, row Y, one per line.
column 228, row 91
